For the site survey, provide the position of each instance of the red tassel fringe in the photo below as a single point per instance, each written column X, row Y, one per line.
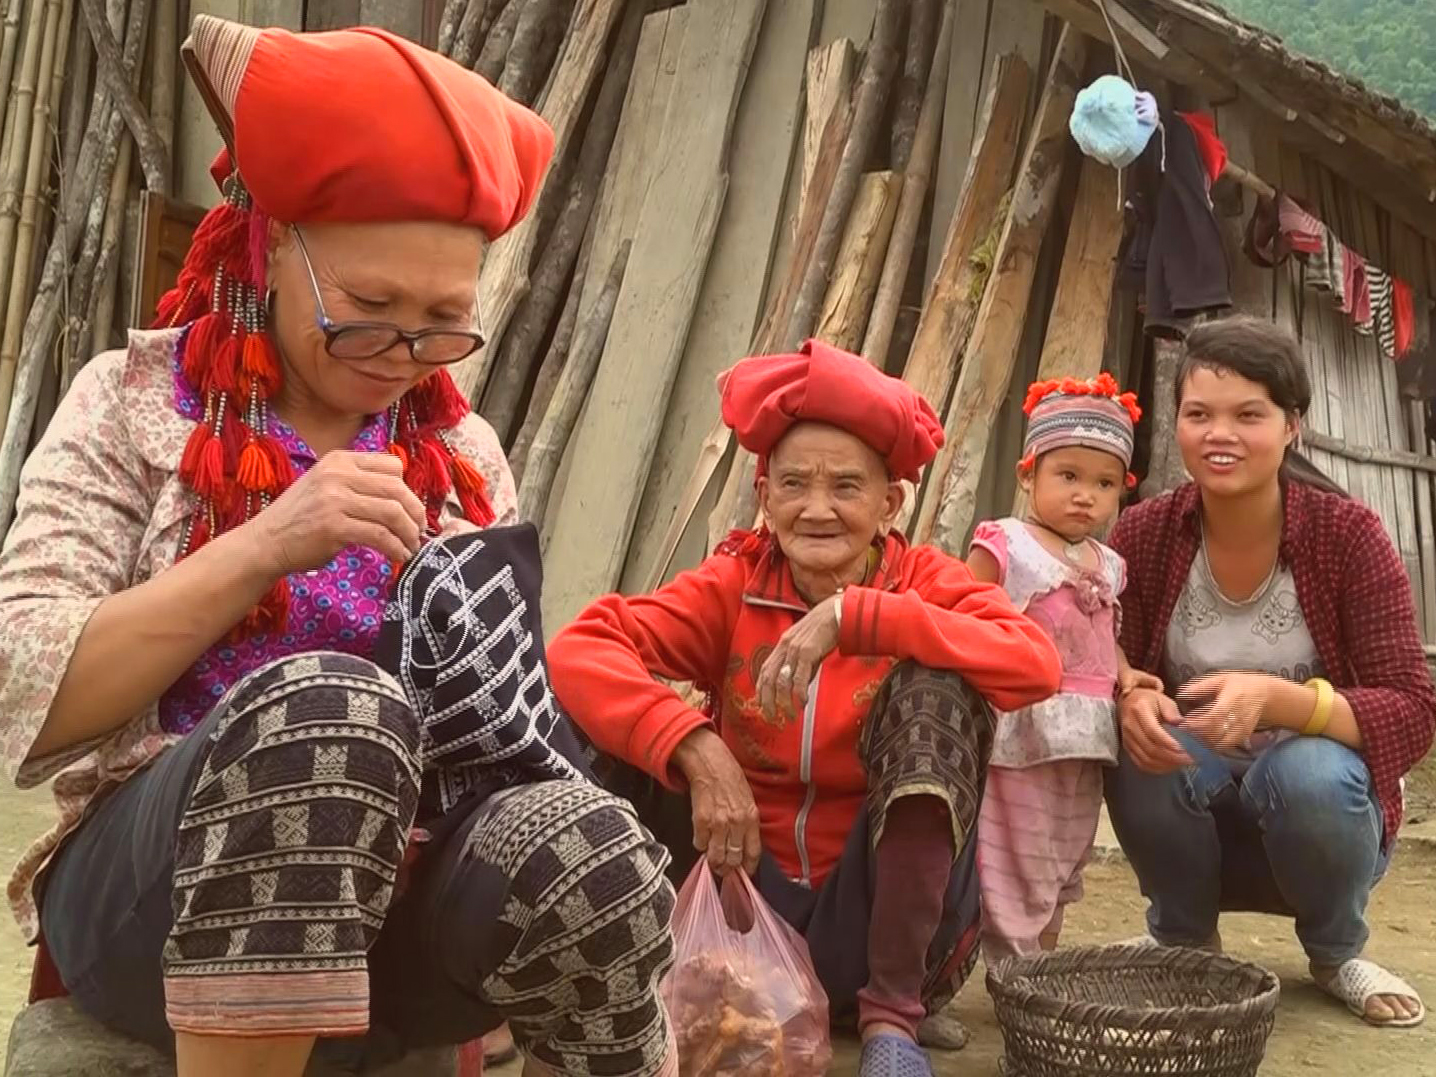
column 232, row 468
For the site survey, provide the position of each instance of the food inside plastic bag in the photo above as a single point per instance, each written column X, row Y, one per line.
column 743, row 995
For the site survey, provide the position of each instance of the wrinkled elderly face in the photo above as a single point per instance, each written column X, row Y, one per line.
column 826, row 496
column 413, row 274
column 1231, row 434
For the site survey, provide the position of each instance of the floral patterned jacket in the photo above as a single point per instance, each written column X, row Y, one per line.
column 101, row 509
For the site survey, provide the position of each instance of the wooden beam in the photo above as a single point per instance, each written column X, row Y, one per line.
column 613, row 452
column 948, row 311
column 1143, row 46
column 1128, row 25
column 1403, row 155
column 1368, row 454
column 1077, row 327
column 948, row 507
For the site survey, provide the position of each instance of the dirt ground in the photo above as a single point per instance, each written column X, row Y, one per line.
column 1314, row 1035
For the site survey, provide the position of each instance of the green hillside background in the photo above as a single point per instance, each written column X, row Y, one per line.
column 1388, row 44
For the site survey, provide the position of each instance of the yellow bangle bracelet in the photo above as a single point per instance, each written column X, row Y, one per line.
column 1321, row 713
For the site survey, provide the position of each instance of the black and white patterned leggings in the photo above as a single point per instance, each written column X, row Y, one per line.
column 243, row 884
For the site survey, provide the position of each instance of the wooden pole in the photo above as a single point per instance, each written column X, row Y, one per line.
column 77, row 107
column 916, row 178
column 454, row 10
column 992, row 350
column 164, row 49
column 514, row 365
column 1165, row 470
column 100, row 318
column 154, row 156
column 553, row 434
column 919, row 62
column 490, row 63
column 1077, row 326
column 860, row 261
column 546, row 381
column 471, row 28
column 945, row 324
column 505, row 276
column 869, row 109
column 531, row 53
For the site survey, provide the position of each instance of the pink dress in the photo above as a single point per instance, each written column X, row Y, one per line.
column 1044, row 788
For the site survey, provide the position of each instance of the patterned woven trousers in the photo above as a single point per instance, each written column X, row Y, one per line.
column 925, row 745
column 244, row 884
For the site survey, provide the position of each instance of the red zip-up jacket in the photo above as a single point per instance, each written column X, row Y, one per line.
column 714, row 627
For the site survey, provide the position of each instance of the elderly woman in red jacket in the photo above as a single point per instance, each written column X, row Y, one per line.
column 842, row 754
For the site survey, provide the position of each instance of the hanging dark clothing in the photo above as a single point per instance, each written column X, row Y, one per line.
column 1173, row 251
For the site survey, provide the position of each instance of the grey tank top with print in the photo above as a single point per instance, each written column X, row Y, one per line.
column 1211, row 634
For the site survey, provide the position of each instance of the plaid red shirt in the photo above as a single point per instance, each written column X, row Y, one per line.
column 1353, row 592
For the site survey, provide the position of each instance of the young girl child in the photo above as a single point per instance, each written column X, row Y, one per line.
column 1044, row 787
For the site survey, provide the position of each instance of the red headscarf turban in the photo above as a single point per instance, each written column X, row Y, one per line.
column 765, row 395
column 363, row 125
column 348, row 126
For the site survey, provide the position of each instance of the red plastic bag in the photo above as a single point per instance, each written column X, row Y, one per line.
column 743, row 996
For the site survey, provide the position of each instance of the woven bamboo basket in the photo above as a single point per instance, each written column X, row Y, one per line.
column 1132, row 1011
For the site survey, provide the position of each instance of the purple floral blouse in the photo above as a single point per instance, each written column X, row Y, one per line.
column 335, row 608
column 102, row 509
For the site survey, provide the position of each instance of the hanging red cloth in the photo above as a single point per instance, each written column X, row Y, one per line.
column 1403, row 309
column 1210, row 147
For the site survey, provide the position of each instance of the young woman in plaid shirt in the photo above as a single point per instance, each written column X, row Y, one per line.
column 1267, row 777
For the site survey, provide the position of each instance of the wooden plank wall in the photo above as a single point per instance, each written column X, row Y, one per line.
column 764, row 139
column 987, row 29
column 1354, row 388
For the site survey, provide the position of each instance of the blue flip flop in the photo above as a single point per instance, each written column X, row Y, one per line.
column 887, row 1055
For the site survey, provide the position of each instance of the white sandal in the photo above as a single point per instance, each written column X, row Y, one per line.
column 1358, row 980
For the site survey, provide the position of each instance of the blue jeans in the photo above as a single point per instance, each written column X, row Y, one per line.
column 1298, row 834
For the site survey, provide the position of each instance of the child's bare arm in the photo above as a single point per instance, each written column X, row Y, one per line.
column 1129, row 679
column 983, row 566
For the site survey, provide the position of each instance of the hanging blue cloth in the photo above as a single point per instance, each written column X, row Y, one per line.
column 1112, row 122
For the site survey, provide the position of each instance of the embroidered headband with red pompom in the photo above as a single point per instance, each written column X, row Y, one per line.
column 1091, row 414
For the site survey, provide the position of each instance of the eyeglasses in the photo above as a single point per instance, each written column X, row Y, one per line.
column 364, row 340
